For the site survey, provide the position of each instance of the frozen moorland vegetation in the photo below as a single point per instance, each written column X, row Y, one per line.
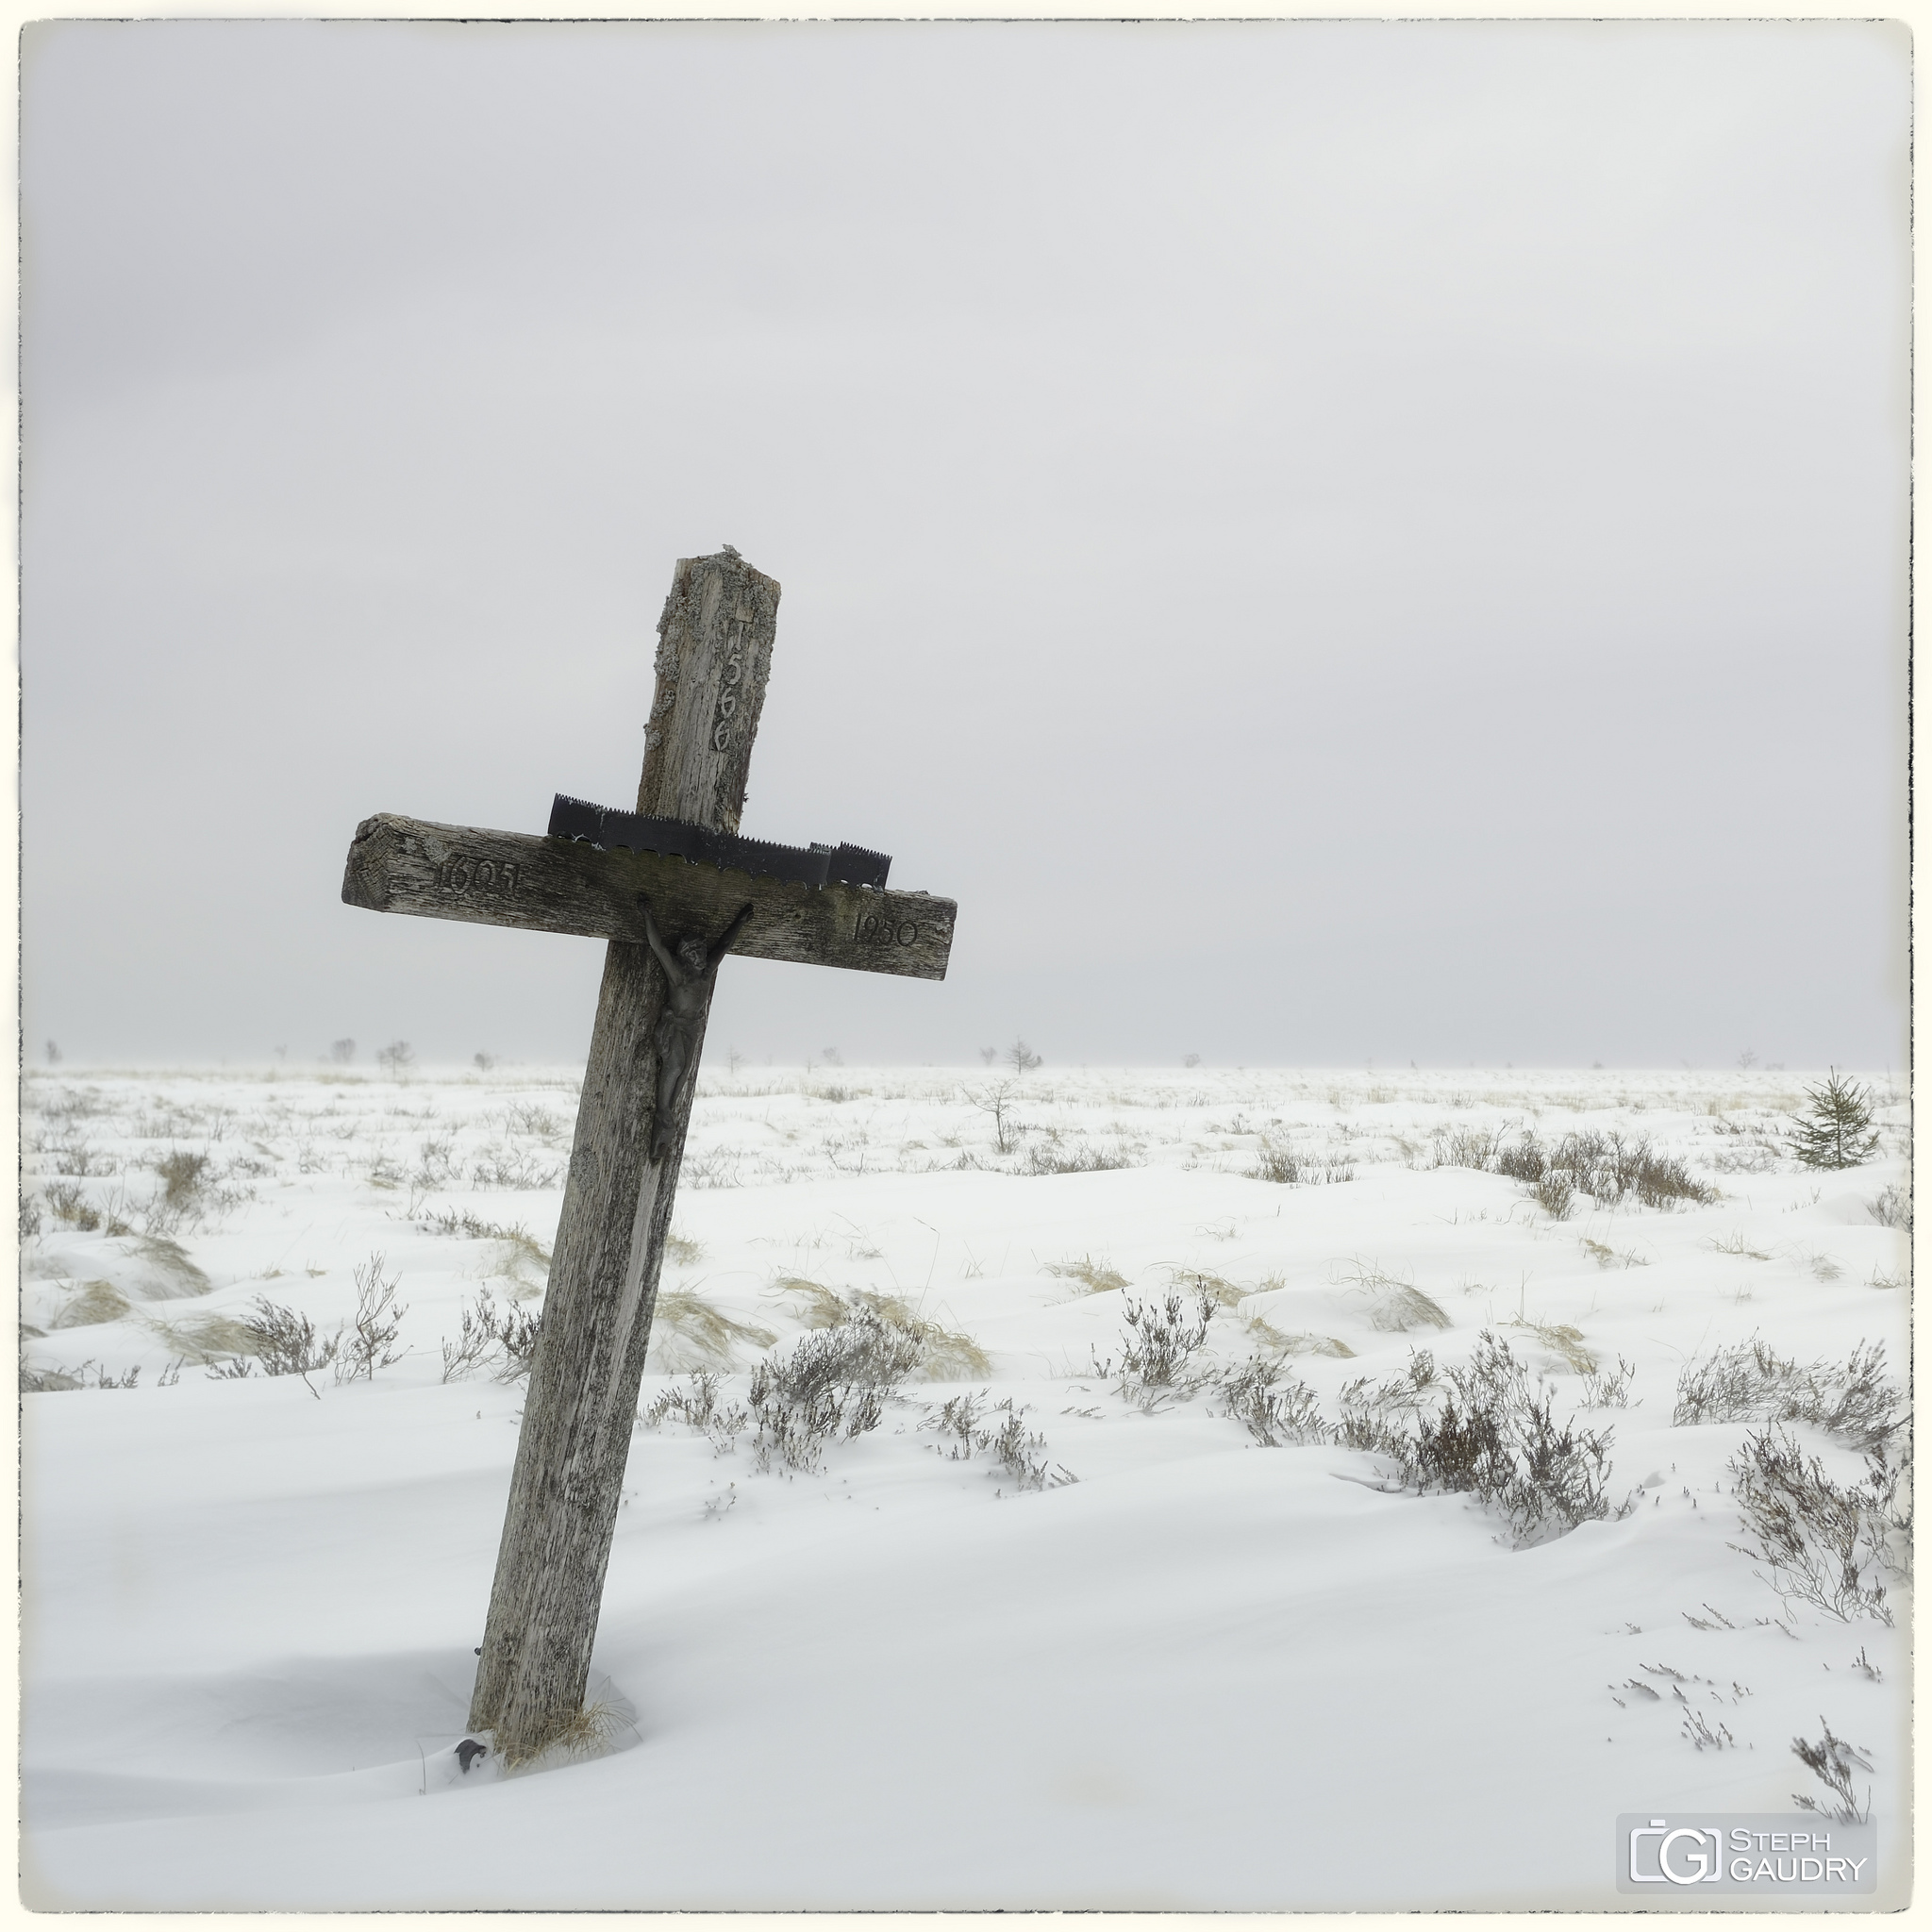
column 1292, row 1489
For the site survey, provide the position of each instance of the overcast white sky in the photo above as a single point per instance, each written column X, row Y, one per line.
column 1333, row 542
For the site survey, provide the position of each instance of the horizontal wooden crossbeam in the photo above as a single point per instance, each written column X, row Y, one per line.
column 560, row 884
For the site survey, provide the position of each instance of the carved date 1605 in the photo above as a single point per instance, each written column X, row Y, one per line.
column 459, row 875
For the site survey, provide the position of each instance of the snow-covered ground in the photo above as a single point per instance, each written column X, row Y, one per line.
column 1206, row 1674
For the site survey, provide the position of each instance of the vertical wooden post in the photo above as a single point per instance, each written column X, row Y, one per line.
column 714, row 655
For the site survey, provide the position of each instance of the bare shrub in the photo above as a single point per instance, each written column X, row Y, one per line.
column 1295, row 1167
column 1831, row 1761
column 475, row 1343
column 371, row 1340
column 80, row 1160
column 184, row 1178
column 1606, row 1166
column 1892, row 1208
column 286, row 1343
column 1820, row 1543
column 998, row 1101
column 944, row 1355
column 1379, row 1418
column 1272, row 1412
column 831, row 1385
column 698, row 1407
column 1555, row 1193
column 71, row 1207
column 48, row 1381
column 1608, row 1388
column 528, row 1118
column 715, row 1167
column 437, row 1165
column 1465, row 1146
column 1157, row 1350
column 1054, row 1157
column 1021, row 1453
column 515, row 1168
column 1697, row 1727
column 507, row 1336
column 1751, row 1382
column 524, row 1248
column 1493, row 1436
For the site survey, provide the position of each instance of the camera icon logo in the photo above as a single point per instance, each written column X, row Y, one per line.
column 1688, row 1855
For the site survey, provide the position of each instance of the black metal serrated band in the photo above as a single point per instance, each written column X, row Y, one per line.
column 814, row 865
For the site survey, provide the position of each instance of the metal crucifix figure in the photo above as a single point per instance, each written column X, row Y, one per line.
column 680, row 1027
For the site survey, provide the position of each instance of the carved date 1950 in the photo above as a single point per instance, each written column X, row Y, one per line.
column 869, row 929
column 459, row 875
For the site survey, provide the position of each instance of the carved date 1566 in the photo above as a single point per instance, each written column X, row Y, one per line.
column 737, row 630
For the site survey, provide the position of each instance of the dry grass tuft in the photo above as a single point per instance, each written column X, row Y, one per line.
column 823, row 1307
column 586, row 1733
column 687, row 1333
column 96, row 1302
column 945, row 1354
column 170, row 1261
column 1561, row 1341
column 203, row 1339
column 1218, row 1289
column 1097, row 1277
column 1394, row 1306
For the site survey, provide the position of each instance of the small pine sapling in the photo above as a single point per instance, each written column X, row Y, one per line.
column 1835, row 1129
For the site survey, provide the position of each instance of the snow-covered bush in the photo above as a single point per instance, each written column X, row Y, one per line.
column 831, row 1385
column 1831, row 1761
column 1020, row 1453
column 1820, row 1542
column 1289, row 1166
column 1274, row 1413
column 698, row 1407
column 1483, row 1430
column 1157, row 1350
column 286, row 1343
column 1750, row 1382
column 1893, row 1207
column 1606, row 1166
column 508, row 1338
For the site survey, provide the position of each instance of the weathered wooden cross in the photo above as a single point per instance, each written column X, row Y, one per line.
column 667, row 919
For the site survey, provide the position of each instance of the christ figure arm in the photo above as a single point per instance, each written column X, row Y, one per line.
column 673, row 968
column 723, row 944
